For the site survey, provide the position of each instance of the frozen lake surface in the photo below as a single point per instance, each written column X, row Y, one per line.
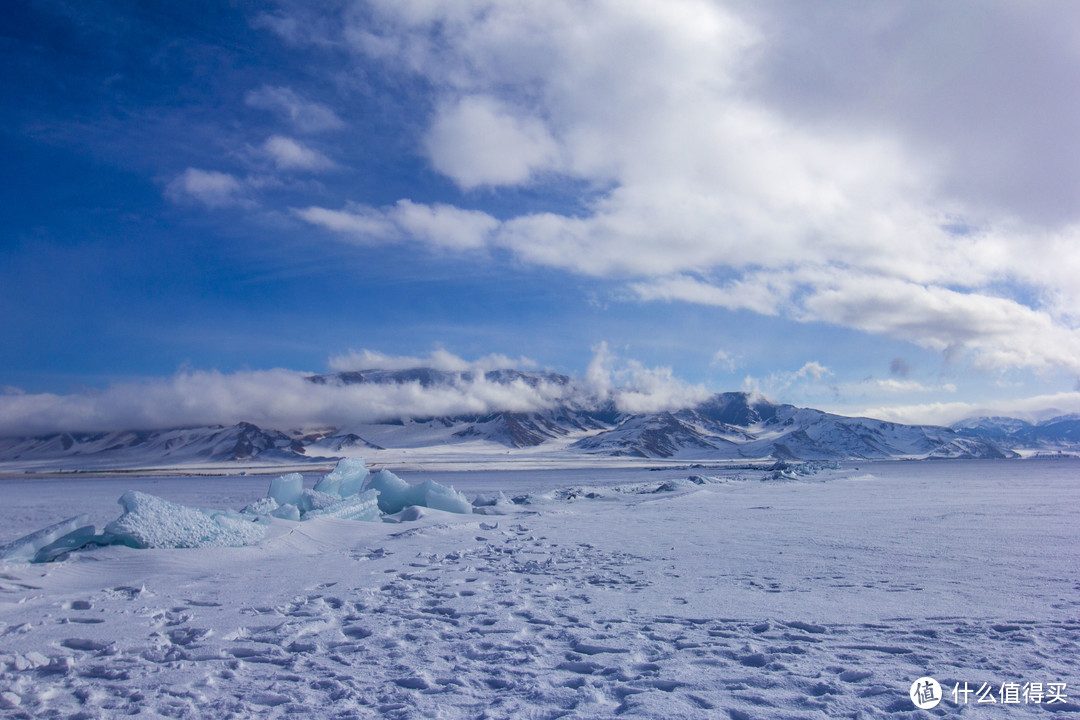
column 821, row 597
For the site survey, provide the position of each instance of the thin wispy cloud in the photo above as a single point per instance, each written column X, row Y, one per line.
column 288, row 154
column 304, row 115
column 440, row 225
column 439, row 359
column 208, row 187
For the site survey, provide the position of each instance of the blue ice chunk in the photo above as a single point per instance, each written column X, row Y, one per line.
column 493, row 504
column 150, row 522
column 440, row 497
column 346, row 479
column 315, row 500
column 287, row 489
column 676, row 485
column 491, row 499
column 287, row 512
column 262, row 507
column 25, row 548
column 79, row 538
column 395, row 494
column 359, row 506
column 393, row 491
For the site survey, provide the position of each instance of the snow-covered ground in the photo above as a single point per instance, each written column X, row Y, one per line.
column 825, row 596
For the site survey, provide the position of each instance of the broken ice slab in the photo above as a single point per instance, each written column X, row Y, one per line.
column 315, row 500
column 261, row 507
column 287, row 489
column 25, row 549
column 149, row 521
column 362, row 506
column 79, row 538
column 345, row 479
column 395, row 494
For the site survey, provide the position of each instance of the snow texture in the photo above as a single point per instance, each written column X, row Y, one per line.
column 811, row 597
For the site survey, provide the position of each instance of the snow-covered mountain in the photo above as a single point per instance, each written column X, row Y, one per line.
column 154, row 448
column 577, row 424
column 1056, row 433
column 738, row 425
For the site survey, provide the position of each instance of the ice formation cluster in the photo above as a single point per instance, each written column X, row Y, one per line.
column 348, row 492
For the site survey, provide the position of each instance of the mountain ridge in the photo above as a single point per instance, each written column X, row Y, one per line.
column 724, row 426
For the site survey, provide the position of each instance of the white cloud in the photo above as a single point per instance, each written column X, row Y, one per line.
column 271, row 398
column 304, row 115
column 649, row 390
column 813, row 369
column 438, row 359
column 634, row 388
column 285, row 399
column 478, row 141
column 1000, row 333
column 444, row 225
column 910, row 386
column 724, row 360
column 211, row 188
column 812, row 212
column 356, row 222
column 762, row 293
column 779, row 383
column 440, row 225
column 288, row 154
column 1035, row 408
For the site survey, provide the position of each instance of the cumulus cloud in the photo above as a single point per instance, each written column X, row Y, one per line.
column 478, row 141
column 443, row 225
column 304, row 115
column 208, row 187
column 1000, row 333
column 634, row 388
column 288, row 154
column 738, row 162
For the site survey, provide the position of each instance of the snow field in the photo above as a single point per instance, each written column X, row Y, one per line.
column 813, row 598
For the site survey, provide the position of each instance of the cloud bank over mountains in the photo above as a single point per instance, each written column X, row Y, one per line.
column 282, row 398
column 287, row 398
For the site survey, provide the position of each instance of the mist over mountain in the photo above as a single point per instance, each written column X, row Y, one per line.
column 573, row 420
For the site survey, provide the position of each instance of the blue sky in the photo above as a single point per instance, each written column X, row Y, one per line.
column 869, row 207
